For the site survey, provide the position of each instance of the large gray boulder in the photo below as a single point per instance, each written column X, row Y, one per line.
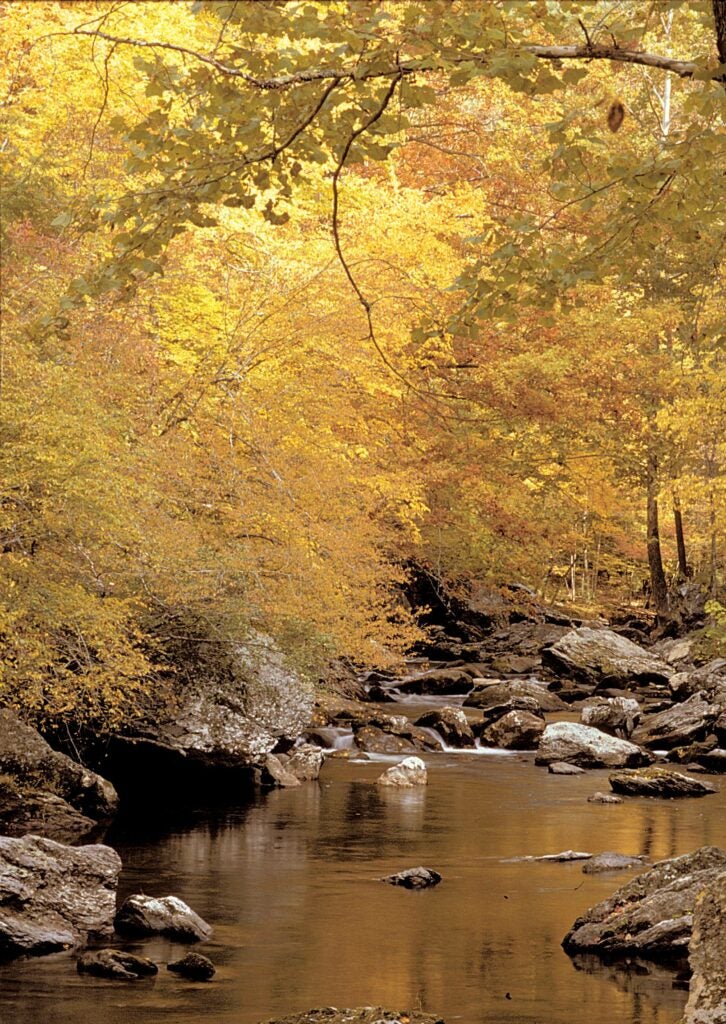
column 54, row 897
column 679, row 725
column 707, row 956
column 489, row 695
column 43, row 791
column 225, row 719
column 587, row 747
column 650, row 916
column 602, row 656
column 655, row 781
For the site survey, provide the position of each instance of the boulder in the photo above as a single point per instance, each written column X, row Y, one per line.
column 305, row 762
column 707, row 956
column 140, row 915
column 362, row 1015
column 45, row 792
column 493, row 714
column 451, row 724
column 563, row 768
column 271, row 773
column 414, row 878
column 603, row 657
column 678, row 725
column 439, row 682
column 54, row 897
column 654, row 781
column 612, row 862
column 617, row 716
column 116, row 964
column 375, row 741
column 224, row 717
column 410, row 772
column 490, row 695
column 587, row 747
column 517, row 730
column 193, row 966
column 651, row 915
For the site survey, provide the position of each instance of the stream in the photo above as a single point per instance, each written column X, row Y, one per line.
column 290, row 883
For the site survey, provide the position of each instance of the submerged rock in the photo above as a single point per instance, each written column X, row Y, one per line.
column 557, row 858
column 602, row 656
column 117, row 964
column 707, row 956
column 651, row 915
column 362, row 1015
column 604, row 798
column 587, row 747
column 160, row 915
column 517, row 730
column 193, row 966
column 563, row 768
column 411, row 772
column 54, row 897
column 664, row 782
column 42, row 791
column 414, row 878
column 612, row 862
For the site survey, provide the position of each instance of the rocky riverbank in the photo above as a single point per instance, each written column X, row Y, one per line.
column 521, row 687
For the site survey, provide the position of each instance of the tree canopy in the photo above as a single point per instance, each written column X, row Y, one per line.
column 299, row 292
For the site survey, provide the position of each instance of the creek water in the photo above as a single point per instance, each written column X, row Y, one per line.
column 291, row 885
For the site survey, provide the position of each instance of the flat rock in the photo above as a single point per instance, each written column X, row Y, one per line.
column 517, row 730
column 678, row 725
column 558, row 858
column 707, row 956
column 116, row 964
column 489, row 696
column 407, row 773
column 612, row 862
column 604, row 657
column 414, row 878
column 193, row 966
column 587, row 747
column 563, row 768
column 54, row 897
column 655, row 781
column 651, row 915
column 140, row 915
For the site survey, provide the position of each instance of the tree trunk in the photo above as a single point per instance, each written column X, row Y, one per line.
column 684, row 571
column 658, row 584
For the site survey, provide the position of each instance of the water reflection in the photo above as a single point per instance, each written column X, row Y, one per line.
column 301, row 919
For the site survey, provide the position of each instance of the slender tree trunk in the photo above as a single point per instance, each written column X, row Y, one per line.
column 659, row 588
column 684, row 571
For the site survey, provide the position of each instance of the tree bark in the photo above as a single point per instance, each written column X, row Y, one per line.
column 659, row 587
column 684, row 571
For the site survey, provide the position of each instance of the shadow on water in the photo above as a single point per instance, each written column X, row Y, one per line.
column 291, row 884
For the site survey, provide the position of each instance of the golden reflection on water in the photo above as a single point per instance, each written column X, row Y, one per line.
column 301, row 919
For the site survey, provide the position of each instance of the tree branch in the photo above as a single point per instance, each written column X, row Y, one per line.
column 683, row 68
